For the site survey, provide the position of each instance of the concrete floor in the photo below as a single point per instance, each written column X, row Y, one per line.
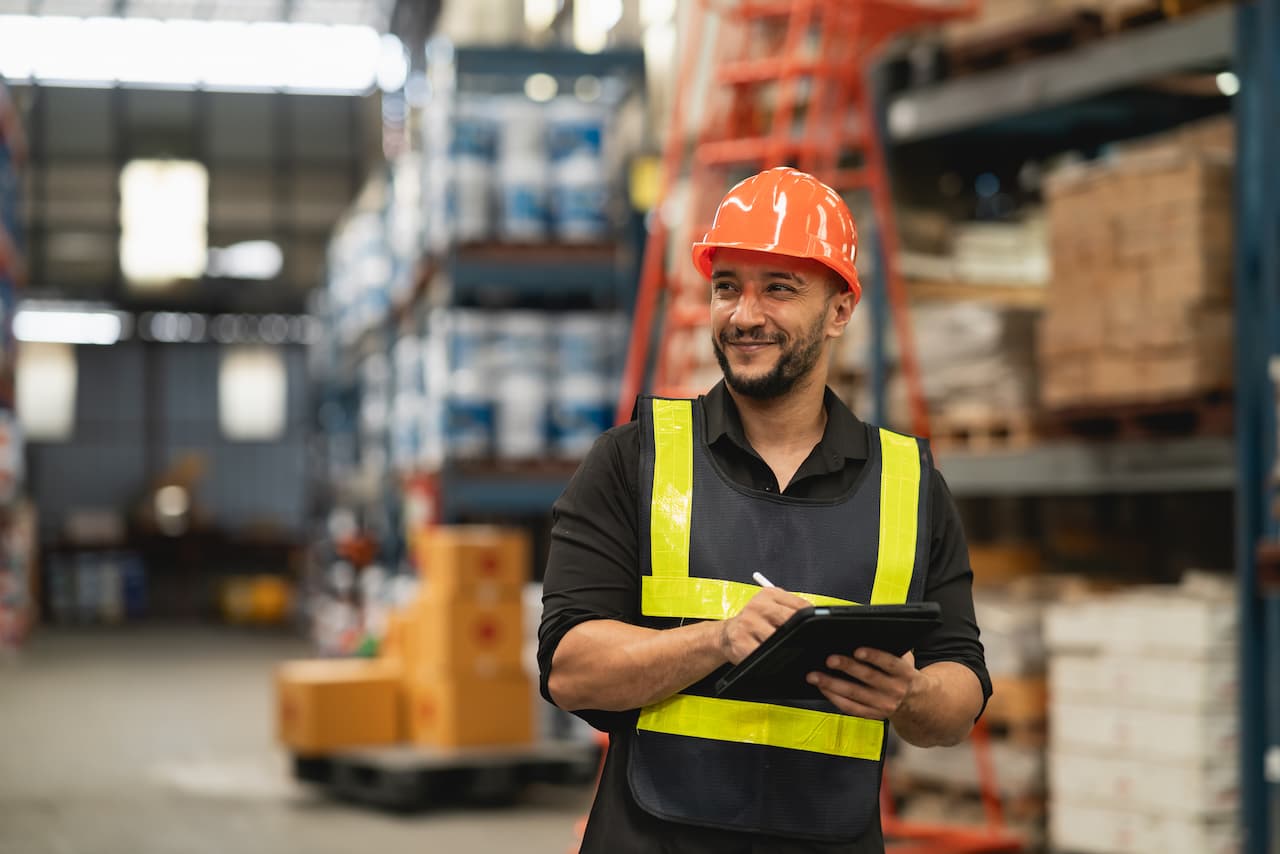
column 144, row 740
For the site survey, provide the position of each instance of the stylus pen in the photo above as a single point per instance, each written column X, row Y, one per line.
column 761, row 580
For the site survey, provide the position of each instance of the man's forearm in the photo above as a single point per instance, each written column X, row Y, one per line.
column 614, row 666
column 942, row 710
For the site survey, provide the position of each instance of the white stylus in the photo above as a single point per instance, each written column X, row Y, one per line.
column 761, row 580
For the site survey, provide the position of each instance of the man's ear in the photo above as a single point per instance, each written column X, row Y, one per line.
column 839, row 310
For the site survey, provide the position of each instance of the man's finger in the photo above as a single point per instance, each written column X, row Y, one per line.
column 885, row 661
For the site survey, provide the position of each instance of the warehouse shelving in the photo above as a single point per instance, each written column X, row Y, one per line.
column 1084, row 468
column 1083, row 99
column 1054, row 92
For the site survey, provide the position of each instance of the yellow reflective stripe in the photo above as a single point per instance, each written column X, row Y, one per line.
column 899, row 516
column 706, row 598
column 766, row 724
column 672, row 488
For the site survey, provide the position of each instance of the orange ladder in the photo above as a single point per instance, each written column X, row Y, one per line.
column 787, row 85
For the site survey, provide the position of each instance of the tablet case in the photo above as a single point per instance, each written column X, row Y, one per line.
column 777, row 668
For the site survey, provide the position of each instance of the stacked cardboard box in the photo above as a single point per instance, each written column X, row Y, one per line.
column 1143, row 722
column 328, row 704
column 1139, row 307
column 465, row 678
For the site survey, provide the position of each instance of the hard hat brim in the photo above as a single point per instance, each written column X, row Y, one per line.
column 703, row 250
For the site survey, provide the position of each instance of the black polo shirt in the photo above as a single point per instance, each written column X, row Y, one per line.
column 593, row 572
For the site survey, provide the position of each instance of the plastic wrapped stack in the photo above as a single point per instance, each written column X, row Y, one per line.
column 1144, row 722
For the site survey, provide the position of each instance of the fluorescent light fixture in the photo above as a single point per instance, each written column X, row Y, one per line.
column 164, row 214
column 213, row 55
column 253, row 259
column 1228, row 83
column 67, row 327
column 393, row 64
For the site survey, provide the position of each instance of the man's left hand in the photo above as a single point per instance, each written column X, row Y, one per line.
column 885, row 683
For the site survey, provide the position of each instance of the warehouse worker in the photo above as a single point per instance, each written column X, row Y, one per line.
column 649, row 590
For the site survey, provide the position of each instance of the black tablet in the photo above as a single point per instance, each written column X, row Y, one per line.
column 777, row 668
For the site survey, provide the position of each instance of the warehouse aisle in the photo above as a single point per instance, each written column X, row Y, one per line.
column 160, row 740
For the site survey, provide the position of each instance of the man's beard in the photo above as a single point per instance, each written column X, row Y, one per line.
column 793, row 362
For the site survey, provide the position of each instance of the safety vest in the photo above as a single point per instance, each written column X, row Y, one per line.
column 796, row 769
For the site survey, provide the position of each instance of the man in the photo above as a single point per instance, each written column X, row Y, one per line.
column 649, row 594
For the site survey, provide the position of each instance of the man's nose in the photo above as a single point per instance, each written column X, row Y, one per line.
column 747, row 313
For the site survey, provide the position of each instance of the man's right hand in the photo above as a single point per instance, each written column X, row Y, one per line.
column 746, row 630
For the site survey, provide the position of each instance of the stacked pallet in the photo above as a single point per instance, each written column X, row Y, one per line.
column 1139, row 307
column 1144, row 723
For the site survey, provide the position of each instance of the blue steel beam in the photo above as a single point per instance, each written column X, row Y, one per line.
column 1257, row 109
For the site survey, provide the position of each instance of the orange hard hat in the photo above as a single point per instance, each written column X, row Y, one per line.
column 786, row 212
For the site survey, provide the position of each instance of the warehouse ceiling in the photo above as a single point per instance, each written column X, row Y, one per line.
column 281, row 168
column 368, row 13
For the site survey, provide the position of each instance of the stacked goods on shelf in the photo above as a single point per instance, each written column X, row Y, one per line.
column 88, row 587
column 372, row 260
column 505, row 167
column 976, row 362
column 464, row 673
column 18, row 602
column 983, row 253
column 515, row 385
column 1139, row 309
column 1144, row 721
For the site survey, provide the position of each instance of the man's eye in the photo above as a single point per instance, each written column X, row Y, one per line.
column 722, row 286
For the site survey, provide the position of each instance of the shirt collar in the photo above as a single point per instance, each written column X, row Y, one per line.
column 845, row 436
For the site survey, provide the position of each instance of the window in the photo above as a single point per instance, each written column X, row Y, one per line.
column 252, row 394
column 46, row 391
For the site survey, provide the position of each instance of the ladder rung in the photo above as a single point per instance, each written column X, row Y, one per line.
column 774, row 9
column 748, row 149
column 774, row 68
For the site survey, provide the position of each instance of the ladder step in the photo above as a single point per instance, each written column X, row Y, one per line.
column 749, row 149
column 746, row 11
column 774, row 68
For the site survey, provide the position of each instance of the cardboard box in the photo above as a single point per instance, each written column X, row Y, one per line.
column 1176, row 788
column 471, row 711
column 464, row 636
column 324, row 705
column 474, row 560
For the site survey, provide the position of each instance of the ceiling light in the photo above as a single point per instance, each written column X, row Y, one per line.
column 67, row 327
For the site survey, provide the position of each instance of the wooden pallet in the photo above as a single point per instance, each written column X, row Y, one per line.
column 1209, row 413
column 1022, row 40
column 409, row 778
column 981, row 430
column 1132, row 14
